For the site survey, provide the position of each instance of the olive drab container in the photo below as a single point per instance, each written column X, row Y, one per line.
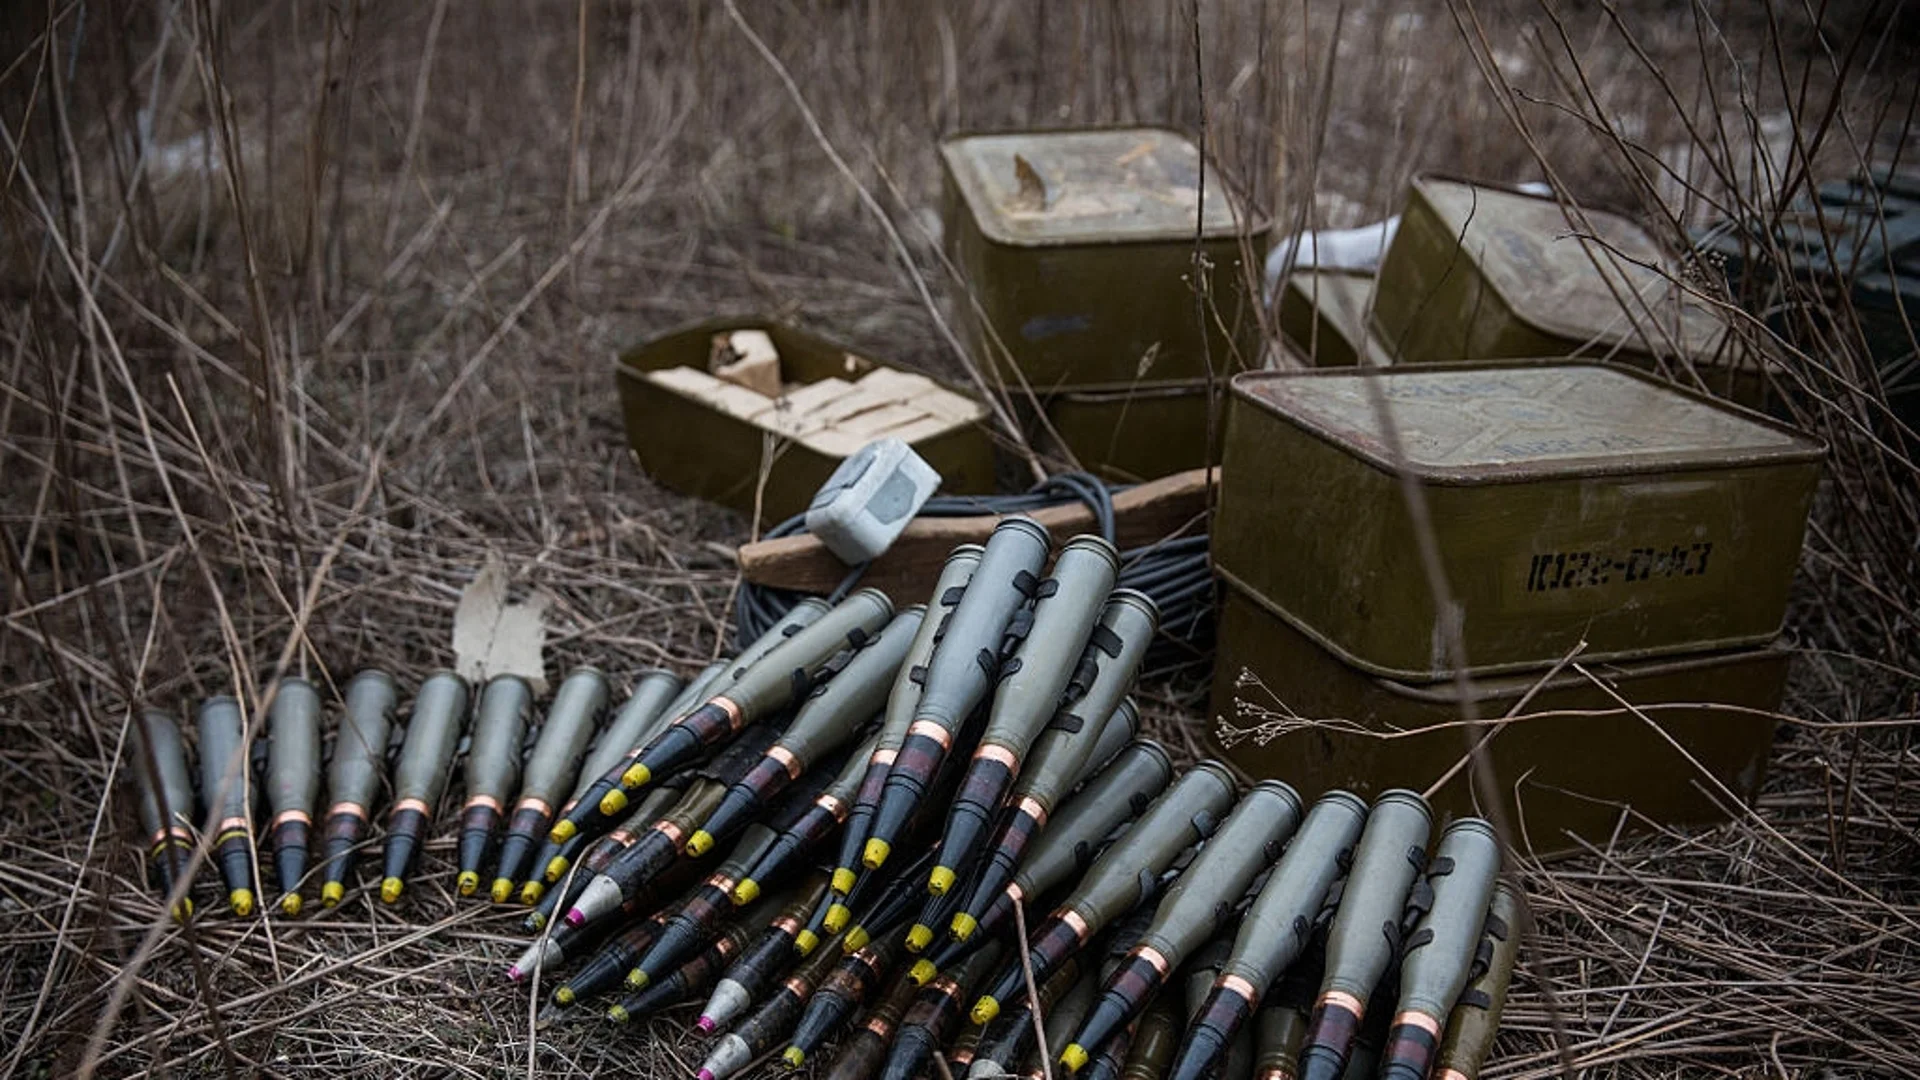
column 1132, row 434
column 1322, row 315
column 1577, row 502
column 1076, row 253
column 1483, row 272
column 702, row 435
column 1570, row 503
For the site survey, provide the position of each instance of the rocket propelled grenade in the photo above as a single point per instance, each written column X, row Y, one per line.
column 159, row 766
column 439, row 717
column 854, row 979
column 602, row 801
column 226, row 781
column 902, row 699
column 576, row 711
column 1246, row 843
column 765, row 959
column 1366, row 928
column 353, row 776
column 810, row 829
column 1275, row 931
column 1476, row 1017
column 775, row 681
column 1054, row 665
column 293, row 782
column 828, row 718
column 1123, row 790
column 493, row 768
column 1438, row 959
column 961, row 671
column 935, row 1012
column 768, row 1026
column 1121, row 877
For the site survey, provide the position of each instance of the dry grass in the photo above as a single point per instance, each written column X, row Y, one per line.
column 308, row 307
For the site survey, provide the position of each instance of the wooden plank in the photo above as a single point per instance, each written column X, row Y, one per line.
column 1142, row 515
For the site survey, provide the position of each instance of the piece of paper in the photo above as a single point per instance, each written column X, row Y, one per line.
column 492, row 636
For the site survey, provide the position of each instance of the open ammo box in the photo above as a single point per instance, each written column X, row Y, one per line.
column 703, row 435
column 1570, row 503
column 1076, row 252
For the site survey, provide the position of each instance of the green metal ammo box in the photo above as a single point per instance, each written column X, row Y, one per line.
column 1323, row 316
column 1481, row 272
column 1573, row 762
column 709, row 438
column 1569, row 502
column 1138, row 433
column 1077, row 248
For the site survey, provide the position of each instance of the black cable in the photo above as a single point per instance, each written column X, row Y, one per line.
column 1175, row 571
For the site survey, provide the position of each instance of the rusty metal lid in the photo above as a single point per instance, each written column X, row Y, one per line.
column 1105, row 185
column 1592, row 276
column 1465, row 423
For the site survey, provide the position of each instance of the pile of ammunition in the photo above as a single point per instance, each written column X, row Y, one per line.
column 975, row 757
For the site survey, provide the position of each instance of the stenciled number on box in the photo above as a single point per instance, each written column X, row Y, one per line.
column 1555, row 570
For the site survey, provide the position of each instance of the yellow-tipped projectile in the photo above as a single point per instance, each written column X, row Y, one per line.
column 699, row 843
column 1074, row 1057
column 332, row 893
column 963, row 926
column 617, row 1014
column 531, row 892
column 855, row 940
column 794, row 1057
column 941, row 880
column 613, row 802
column 502, row 888
column 562, row 831
column 637, row 776
column 843, row 881
column 637, row 979
column 746, row 892
column 290, row 904
column 390, row 889
column 564, row 995
column 183, row 910
column 469, row 883
column 838, row 915
column 556, row 868
column 241, row 901
column 805, row 942
column 875, row 855
column 985, row 1009
column 922, row 972
column 919, row 937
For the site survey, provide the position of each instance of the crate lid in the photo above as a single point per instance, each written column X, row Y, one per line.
column 1577, row 277
column 1038, row 188
column 1466, row 423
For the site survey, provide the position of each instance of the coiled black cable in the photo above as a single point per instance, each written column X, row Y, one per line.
column 1175, row 571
